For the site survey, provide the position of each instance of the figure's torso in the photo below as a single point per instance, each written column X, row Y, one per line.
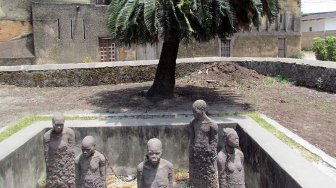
column 202, row 133
column 231, row 170
column 156, row 177
column 90, row 172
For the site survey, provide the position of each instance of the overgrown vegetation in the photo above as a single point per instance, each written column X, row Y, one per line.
column 277, row 79
column 281, row 136
column 87, row 60
column 325, row 49
column 29, row 120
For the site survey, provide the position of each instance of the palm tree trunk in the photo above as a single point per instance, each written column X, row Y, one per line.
column 164, row 81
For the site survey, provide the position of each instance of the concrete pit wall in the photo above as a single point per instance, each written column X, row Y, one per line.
column 23, row 167
column 268, row 164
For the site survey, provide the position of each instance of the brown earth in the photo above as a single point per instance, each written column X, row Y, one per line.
column 227, row 88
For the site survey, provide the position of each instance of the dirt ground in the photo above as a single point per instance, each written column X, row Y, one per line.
column 227, row 88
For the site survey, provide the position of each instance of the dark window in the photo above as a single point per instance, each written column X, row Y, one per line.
column 310, row 29
column 103, row 2
column 225, row 48
column 281, row 47
column 107, row 50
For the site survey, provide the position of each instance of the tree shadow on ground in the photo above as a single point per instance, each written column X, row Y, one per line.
column 133, row 100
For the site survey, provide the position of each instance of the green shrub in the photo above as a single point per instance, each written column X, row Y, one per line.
column 325, row 49
column 331, row 48
column 320, row 49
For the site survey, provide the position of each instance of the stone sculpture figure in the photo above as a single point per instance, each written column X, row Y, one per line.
column 59, row 154
column 90, row 166
column 230, row 162
column 203, row 135
column 155, row 172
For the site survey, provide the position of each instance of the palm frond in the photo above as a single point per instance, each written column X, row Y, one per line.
column 270, row 8
column 140, row 21
column 150, row 19
column 224, row 18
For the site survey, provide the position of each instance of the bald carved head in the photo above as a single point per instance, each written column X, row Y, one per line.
column 199, row 107
column 154, row 151
column 58, row 123
column 88, row 146
column 231, row 137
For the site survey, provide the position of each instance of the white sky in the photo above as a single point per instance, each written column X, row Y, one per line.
column 313, row 6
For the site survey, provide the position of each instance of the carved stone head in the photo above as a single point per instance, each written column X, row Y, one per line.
column 88, row 146
column 154, row 151
column 58, row 123
column 199, row 107
column 231, row 137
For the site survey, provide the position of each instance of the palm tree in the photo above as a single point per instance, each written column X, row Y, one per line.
column 175, row 21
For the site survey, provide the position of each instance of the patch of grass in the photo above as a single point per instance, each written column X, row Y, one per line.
column 277, row 79
column 29, row 120
column 20, row 124
column 281, row 136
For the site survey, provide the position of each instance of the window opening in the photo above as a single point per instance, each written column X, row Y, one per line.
column 84, row 30
column 103, row 2
column 225, row 47
column 58, row 29
column 71, row 35
column 281, row 47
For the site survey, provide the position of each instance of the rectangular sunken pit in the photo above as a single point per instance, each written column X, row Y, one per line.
column 268, row 161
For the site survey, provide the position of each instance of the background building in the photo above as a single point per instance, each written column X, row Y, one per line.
column 73, row 31
column 317, row 25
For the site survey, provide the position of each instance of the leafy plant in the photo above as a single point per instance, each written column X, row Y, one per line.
column 330, row 43
column 319, row 48
column 325, row 49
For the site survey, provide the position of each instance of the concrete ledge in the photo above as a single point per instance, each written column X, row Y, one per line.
column 268, row 161
column 316, row 74
column 275, row 161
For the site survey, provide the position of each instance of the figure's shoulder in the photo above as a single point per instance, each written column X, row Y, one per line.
column 46, row 136
column 101, row 157
column 221, row 155
column 192, row 121
column 166, row 163
column 78, row 158
column 140, row 166
column 69, row 131
column 213, row 125
column 240, row 153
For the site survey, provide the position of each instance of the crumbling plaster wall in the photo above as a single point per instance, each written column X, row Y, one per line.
column 16, row 32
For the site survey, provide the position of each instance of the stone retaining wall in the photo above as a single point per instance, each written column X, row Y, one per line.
column 316, row 74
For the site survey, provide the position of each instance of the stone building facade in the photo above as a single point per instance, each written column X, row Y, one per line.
column 74, row 31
